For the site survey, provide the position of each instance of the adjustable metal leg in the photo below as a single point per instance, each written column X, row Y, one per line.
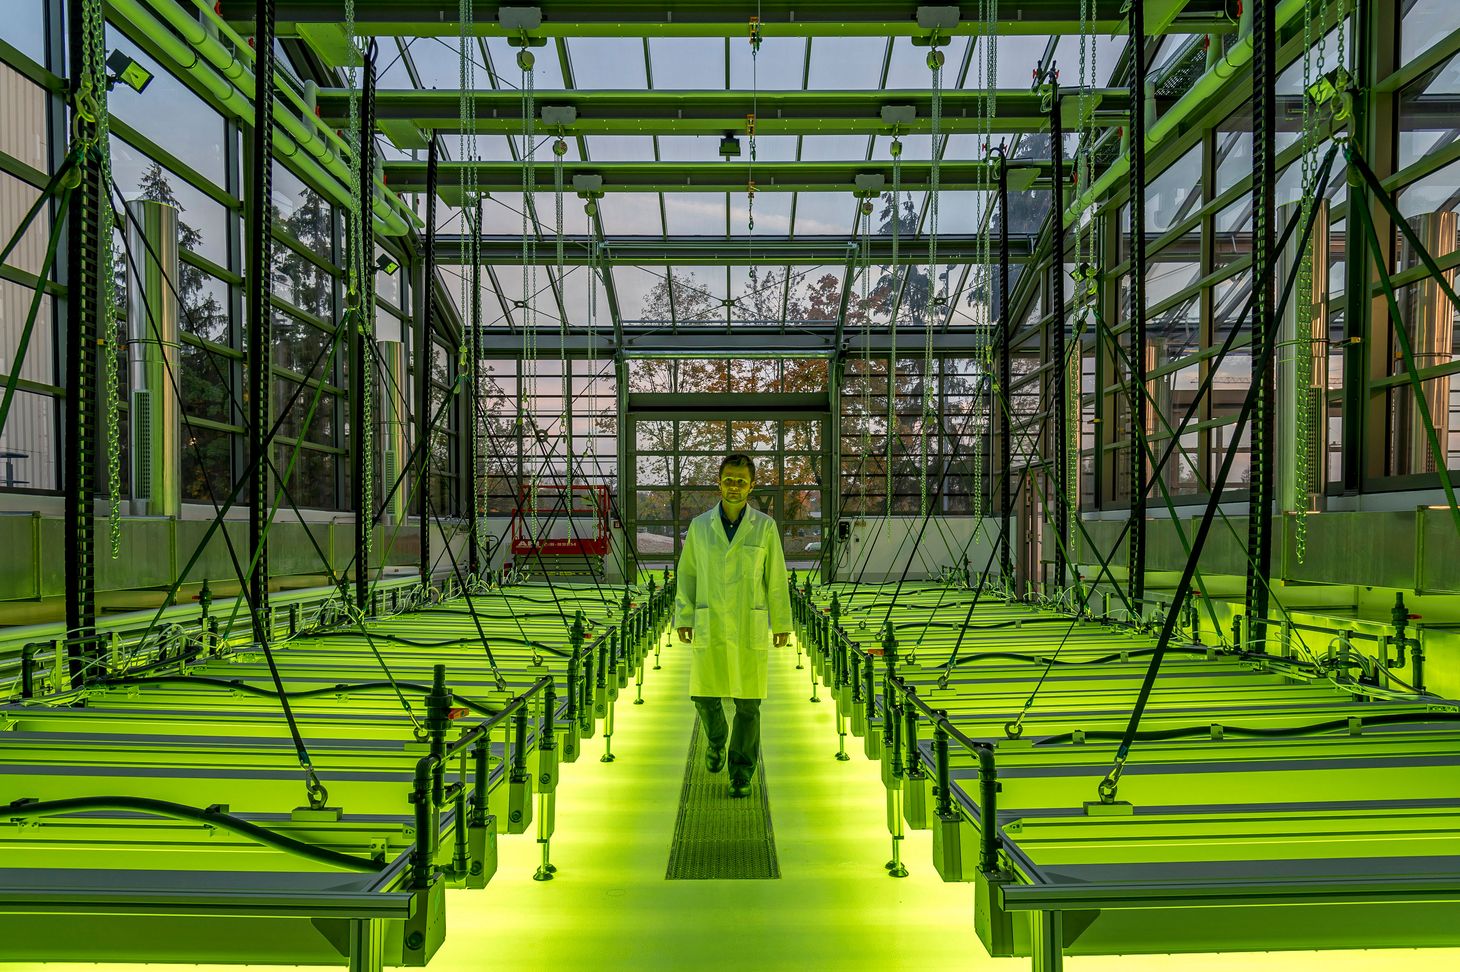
column 841, row 738
column 639, row 686
column 547, row 869
column 799, row 666
column 895, row 866
column 814, row 696
column 608, row 756
column 367, row 945
column 1047, row 946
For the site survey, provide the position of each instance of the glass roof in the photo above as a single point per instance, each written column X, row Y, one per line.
column 761, row 287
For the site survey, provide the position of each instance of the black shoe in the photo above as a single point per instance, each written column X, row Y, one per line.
column 739, row 788
column 715, row 760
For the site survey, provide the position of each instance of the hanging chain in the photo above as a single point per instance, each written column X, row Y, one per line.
column 930, row 388
column 896, row 149
column 356, row 282
column 471, row 216
column 527, row 373
column 865, row 261
column 560, row 149
column 1303, row 391
column 91, row 104
column 755, row 39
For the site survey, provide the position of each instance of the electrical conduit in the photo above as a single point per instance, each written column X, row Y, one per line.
column 1192, row 102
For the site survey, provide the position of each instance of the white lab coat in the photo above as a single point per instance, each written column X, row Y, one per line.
column 733, row 594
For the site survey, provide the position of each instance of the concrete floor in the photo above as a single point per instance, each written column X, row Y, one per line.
column 611, row 908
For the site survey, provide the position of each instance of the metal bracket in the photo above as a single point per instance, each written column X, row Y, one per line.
column 899, row 115
column 559, row 116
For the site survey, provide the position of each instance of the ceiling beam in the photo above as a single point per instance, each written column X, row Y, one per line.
column 728, row 18
column 718, row 176
column 740, row 340
column 660, row 112
column 719, row 251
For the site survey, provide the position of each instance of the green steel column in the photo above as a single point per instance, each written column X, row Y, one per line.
column 1136, row 383
column 260, row 317
column 1264, row 150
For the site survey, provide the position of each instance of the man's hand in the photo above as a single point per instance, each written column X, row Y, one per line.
column 781, row 638
column 686, row 635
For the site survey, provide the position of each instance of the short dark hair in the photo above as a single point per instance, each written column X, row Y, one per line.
column 738, row 459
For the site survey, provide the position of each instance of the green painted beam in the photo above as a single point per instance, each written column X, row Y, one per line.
column 709, row 176
column 716, row 112
column 718, row 251
column 721, row 18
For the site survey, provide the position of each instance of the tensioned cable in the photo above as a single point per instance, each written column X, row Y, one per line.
column 1107, row 787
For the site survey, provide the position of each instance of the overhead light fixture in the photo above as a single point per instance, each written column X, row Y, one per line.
column 730, row 147
column 124, row 68
column 387, row 264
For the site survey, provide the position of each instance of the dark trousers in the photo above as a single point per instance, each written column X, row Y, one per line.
column 744, row 738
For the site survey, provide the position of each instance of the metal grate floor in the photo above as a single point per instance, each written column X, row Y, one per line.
column 718, row 837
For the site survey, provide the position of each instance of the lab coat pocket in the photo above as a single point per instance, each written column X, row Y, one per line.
column 760, row 635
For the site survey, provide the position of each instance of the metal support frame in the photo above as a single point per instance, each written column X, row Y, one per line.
column 1136, row 386
column 260, row 319
column 423, row 363
column 1000, row 393
column 1059, row 407
column 1260, row 496
column 474, row 527
column 360, row 341
column 84, row 282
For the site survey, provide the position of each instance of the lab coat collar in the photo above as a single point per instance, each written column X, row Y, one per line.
column 739, row 531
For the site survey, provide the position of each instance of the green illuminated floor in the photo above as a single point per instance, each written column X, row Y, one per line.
column 611, row 907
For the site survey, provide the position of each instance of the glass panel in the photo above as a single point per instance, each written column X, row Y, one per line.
column 752, row 436
column 801, row 504
column 631, row 213
column 205, row 379
column 778, row 67
column 1175, row 194
column 30, row 453
column 312, row 484
column 16, row 198
column 699, row 294
column 700, row 470
column 695, row 213
column 655, row 504
column 802, row 470
column 41, row 352
column 607, row 62
column 24, row 28
column 24, row 134
column 202, row 222
column 654, row 540
column 302, row 213
column 654, row 375
column 654, row 436
column 298, row 346
column 1426, row 22
column 700, row 435
column 654, row 471
column 170, row 114
column 845, row 63
column 207, row 465
column 687, row 62
column 748, row 375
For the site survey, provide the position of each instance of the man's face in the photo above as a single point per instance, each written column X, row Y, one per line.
column 736, row 483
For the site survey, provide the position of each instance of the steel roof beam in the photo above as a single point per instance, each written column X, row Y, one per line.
column 715, row 176
column 506, row 250
column 725, row 18
column 660, row 112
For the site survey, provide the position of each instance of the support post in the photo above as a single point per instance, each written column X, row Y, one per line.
column 1136, row 387
column 424, row 358
column 1060, row 399
column 1005, row 371
column 83, row 299
column 1260, row 494
column 260, row 317
column 362, row 384
column 473, row 452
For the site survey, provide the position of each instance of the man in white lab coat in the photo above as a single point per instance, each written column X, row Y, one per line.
column 731, row 596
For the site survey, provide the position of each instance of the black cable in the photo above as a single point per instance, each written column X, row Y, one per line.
column 1332, row 725
column 343, row 688
column 212, row 817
